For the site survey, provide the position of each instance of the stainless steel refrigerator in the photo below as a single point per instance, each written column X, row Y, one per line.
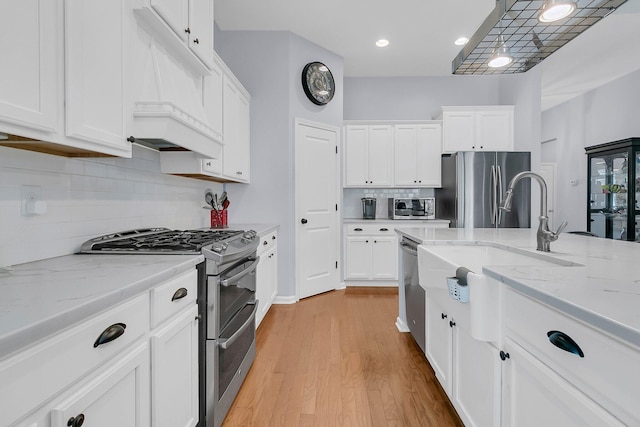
column 474, row 183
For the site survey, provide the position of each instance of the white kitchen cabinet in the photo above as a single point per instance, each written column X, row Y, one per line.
column 417, row 155
column 266, row 274
column 117, row 396
column 185, row 25
column 534, row 395
column 371, row 252
column 236, row 129
column 174, row 375
column 97, row 70
column 468, row 370
column 30, row 43
column 478, row 128
column 368, row 156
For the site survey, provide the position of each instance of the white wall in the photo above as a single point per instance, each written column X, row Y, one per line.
column 90, row 197
column 608, row 113
column 269, row 65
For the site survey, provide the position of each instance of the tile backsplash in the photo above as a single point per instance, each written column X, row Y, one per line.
column 89, row 197
column 352, row 206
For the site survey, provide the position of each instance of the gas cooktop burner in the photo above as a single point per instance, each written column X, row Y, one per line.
column 157, row 241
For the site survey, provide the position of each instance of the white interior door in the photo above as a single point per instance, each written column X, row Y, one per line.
column 548, row 172
column 316, row 185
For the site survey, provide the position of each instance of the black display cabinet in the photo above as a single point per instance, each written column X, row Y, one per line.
column 613, row 182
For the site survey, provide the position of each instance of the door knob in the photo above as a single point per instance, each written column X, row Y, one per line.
column 303, row 220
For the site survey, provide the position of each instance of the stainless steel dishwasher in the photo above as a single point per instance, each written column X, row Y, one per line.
column 413, row 293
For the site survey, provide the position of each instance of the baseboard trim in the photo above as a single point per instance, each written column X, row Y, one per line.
column 401, row 325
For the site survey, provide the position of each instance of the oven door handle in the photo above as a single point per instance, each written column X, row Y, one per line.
column 223, row 343
column 243, row 273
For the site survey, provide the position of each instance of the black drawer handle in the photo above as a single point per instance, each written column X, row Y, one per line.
column 564, row 342
column 357, row 229
column 384, row 229
column 180, row 293
column 504, row 356
column 444, row 316
column 76, row 421
column 110, row 334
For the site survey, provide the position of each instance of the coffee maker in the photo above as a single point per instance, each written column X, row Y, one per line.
column 369, row 208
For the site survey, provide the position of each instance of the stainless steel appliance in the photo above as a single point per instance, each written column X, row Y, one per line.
column 369, row 207
column 423, row 208
column 414, row 294
column 226, row 302
column 473, row 183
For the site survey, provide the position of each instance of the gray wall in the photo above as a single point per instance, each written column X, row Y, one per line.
column 269, row 65
column 605, row 114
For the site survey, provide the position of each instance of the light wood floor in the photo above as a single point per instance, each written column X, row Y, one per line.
column 337, row 359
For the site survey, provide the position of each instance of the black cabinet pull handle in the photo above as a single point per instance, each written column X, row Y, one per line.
column 444, row 316
column 187, row 30
column 265, row 243
column 384, row 229
column 196, row 41
column 504, row 356
column 452, row 323
column 273, row 237
column 76, row 421
column 303, row 220
column 110, row 334
column 564, row 342
column 180, row 293
column 357, row 229
column 131, row 139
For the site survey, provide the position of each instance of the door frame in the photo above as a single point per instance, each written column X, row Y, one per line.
column 298, row 215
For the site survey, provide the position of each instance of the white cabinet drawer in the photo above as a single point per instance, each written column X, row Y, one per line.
column 40, row 372
column 608, row 371
column 267, row 241
column 370, row 229
column 173, row 296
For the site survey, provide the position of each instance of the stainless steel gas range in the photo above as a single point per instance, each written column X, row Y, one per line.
column 226, row 302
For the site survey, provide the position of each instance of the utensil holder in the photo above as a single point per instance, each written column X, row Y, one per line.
column 219, row 219
column 457, row 291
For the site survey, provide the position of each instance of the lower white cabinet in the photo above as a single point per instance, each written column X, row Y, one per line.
column 468, row 370
column 174, row 375
column 117, row 396
column 371, row 252
column 266, row 274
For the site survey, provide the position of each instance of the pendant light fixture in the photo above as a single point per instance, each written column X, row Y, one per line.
column 554, row 10
column 501, row 55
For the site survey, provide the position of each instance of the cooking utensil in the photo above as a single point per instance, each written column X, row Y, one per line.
column 226, row 204
column 208, row 198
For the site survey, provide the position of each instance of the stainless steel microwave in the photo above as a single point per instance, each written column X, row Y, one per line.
column 424, row 208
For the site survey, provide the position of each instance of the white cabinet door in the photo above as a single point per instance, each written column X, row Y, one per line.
column 118, row 396
column 355, row 156
column 494, row 130
column 29, row 78
column 380, row 156
column 477, row 372
column 97, row 40
column 174, row 374
column 439, row 342
column 201, row 30
column 175, row 13
column 534, row 395
column 235, row 127
column 384, row 258
column 266, row 282
column 429, row 155
column 459, row 131
column 358, row 258
column 405, row 150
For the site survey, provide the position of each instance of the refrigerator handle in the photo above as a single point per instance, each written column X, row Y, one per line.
column 494, row 194
column 500, row 195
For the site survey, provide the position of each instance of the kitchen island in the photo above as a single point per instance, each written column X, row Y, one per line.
column 586, row 288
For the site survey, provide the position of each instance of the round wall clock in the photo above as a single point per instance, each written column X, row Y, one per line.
column 317, row 82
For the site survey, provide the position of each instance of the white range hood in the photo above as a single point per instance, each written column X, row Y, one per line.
column 168, row 112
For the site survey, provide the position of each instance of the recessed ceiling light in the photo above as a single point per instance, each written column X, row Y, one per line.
column 461, row 41
column 382, row 43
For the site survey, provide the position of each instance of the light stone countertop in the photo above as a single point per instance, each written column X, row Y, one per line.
column 400, row 222
column 603, row 290
column 42, row 298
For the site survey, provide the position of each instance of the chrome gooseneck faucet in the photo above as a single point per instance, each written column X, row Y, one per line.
column 544, row 235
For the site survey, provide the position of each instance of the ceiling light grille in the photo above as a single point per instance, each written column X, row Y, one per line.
column 529, row 41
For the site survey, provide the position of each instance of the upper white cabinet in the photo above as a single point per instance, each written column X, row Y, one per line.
column 235, row 126
column 417, row 150
column 368, row 156
column 63, row 88
column 97, row 40
column 29, row 77
column 186, row 27
column 479, row 128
